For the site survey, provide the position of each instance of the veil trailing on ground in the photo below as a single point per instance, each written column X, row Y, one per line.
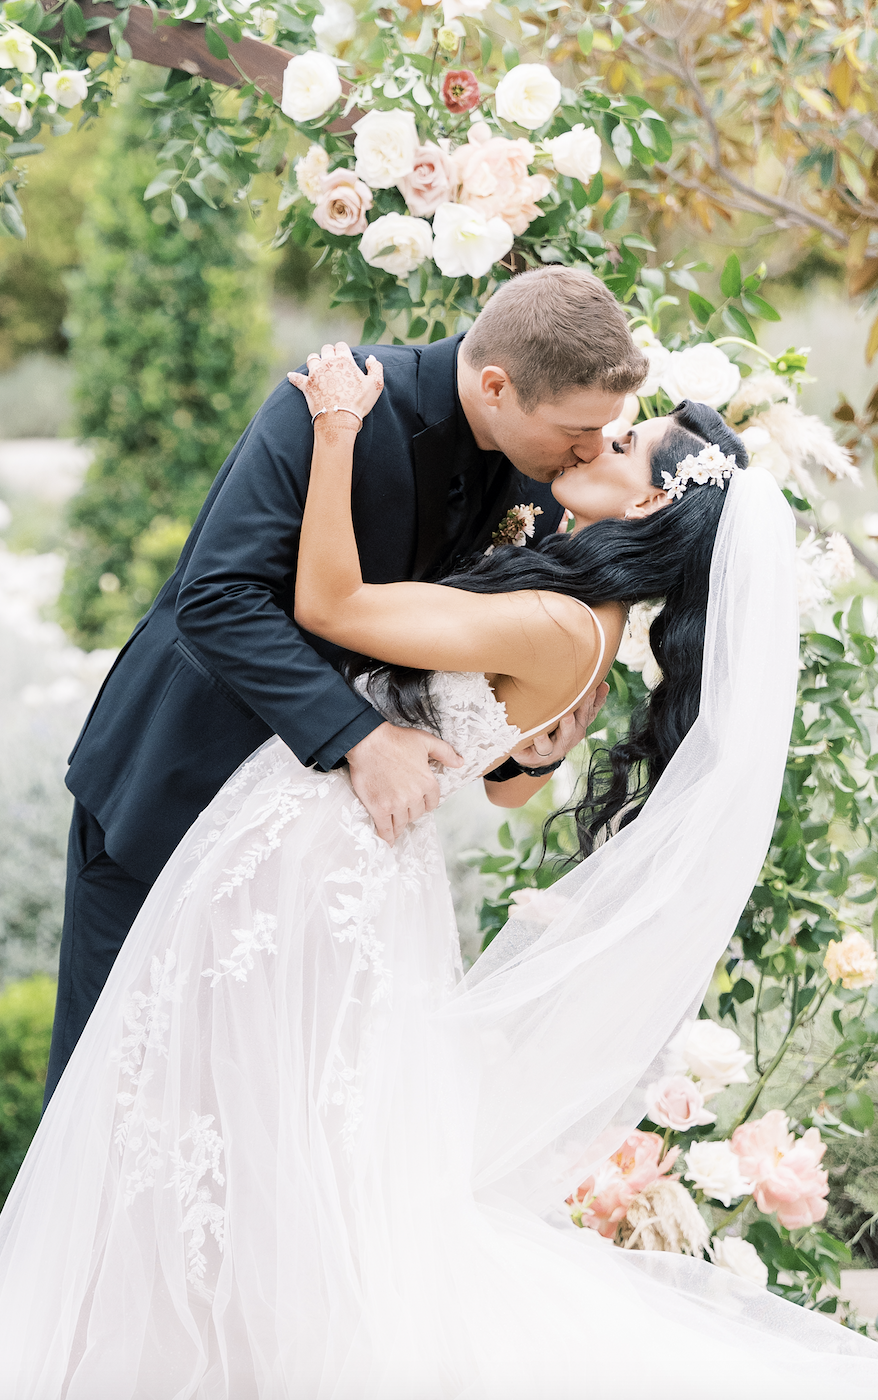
column 573, row 1013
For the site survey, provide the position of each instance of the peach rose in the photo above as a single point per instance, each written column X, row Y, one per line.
column 343, row 203
column 606, row 1197
column 785, row 1171
column 430, row 182
column 493, row 177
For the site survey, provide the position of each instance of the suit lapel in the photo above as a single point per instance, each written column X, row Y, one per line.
column 433, row 451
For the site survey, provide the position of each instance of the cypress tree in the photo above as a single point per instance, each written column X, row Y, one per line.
column 170, row 346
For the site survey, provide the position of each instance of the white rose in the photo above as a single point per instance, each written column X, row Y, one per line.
column 14, row 111
column 68, row 88
column 754, row 439
column 465, row 243
column 336, row 25
column 576, row 153
column 537, row 906
column 311, row 171
column 659, row 359
column 452, row 9
column 311, row 86
column 17, row 51
column 852, row 961
column 635, row 652
column 739, row 1257
column 385, row 146
column 410, row 241
column 715, row 1169
column 710, row 1052
column 703, row 373
column 528, row 95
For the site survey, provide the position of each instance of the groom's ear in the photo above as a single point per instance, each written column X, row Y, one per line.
column 495, row 385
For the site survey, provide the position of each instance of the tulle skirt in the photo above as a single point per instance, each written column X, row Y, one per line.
column 254, row 1180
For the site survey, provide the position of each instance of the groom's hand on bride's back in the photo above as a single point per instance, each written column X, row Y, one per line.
column 391, row 774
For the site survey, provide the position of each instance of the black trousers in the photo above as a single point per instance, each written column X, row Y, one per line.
column 101, row 904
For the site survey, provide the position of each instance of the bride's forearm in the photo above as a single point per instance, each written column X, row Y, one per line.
column 328, row 571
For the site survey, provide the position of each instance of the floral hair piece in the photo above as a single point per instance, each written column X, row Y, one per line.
column 711, row 466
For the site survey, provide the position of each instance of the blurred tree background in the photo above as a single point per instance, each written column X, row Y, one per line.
column 169, row 323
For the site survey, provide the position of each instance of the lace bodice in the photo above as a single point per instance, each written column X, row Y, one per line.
column 471, row 720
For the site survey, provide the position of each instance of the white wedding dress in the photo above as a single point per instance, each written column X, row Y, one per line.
column 294, row 1158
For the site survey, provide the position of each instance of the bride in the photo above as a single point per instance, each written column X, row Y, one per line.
column 295, row 1155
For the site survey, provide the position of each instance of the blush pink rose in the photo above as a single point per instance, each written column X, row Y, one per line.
column 629, row 1171
column 493, row 178
column 785, row 1170
column 343, row 203
column 430, row 182
column 675, row 1102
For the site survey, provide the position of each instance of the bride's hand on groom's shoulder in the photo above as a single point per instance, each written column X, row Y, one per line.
column 334, row 378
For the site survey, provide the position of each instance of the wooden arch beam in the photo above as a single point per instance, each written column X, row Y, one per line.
column 183, row 46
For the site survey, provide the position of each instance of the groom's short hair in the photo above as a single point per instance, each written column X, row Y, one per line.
column 556, row 329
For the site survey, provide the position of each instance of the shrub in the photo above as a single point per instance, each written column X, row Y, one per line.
column 26, row 1010
column 170, row 336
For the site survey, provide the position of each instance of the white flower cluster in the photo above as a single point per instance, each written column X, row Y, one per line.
column 479, row 195
column 784, row 440
column 65, row 87
column 708, row 467
column 821, row 566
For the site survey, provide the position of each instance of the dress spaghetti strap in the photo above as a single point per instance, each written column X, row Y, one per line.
column 548, row 724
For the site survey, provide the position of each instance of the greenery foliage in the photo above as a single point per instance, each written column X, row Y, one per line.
column 170, row 341
column 26, row 1011
column 814, row 1043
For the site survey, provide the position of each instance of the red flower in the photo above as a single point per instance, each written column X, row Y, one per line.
column 460, row 91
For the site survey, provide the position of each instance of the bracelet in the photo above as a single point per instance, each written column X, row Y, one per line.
column 337, row 408
column 513, row 769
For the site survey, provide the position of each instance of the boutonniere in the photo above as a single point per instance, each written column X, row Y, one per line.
column 516, row 527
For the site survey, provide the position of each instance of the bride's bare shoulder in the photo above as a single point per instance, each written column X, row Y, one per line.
column 579, row 622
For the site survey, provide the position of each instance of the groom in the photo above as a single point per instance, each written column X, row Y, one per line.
column 465, row 429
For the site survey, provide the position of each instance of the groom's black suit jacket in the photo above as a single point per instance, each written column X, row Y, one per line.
column 217, row 665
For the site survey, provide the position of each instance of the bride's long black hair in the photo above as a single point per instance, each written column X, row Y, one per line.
column 665, row 555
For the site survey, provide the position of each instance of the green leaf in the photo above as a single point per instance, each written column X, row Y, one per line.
column 28, row 14
column 585, row 38
column 24, row 148
column 74, row 21
column 510, row 57
column 162, row 182
column 859, row 1109
column 738, row 324
column 504, row 836
column 730, row 280
column 179, row 206
column 595, row 189
column 758, row 306
column 618, row 211
column 417, row 327
column 771, row 998
column 743, row 990
column 13, row 220
column 701, row 308
column 215, row 42
column 437, row 331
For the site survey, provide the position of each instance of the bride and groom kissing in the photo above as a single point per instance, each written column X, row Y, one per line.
column 296, row 1154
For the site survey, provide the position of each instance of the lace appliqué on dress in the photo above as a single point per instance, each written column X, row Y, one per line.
column 258, row 939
